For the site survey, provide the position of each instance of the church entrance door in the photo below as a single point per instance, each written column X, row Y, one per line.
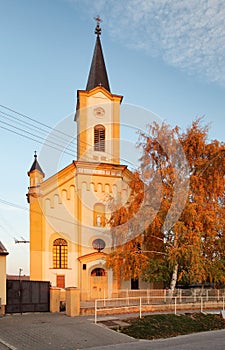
column 99, row 284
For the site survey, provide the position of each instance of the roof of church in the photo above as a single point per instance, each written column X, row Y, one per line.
column 36, row 165
column 98, row 74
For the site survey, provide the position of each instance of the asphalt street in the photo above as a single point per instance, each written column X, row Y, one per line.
column 214, row 340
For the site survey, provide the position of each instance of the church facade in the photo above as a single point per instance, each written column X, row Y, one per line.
column 69, row 212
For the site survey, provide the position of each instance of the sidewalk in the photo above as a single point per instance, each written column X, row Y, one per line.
column 45, row 331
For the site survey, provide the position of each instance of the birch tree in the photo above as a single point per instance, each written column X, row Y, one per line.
column 178, row 216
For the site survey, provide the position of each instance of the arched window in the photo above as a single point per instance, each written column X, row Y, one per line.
column 60, row 254
column 99, row 138
column 99, row 215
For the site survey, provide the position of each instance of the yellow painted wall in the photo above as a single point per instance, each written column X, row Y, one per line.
column 63, row 205
column 65, row 209
column 87, row 119
column 3, row 279
column 36, row 240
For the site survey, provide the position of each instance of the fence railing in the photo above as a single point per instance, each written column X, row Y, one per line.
column 88, row 294
column 166, row 303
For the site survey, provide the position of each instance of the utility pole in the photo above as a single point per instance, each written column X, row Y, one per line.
column 20, row 290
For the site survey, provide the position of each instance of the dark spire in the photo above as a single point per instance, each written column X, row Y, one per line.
column 35, row 165
column 98, row 74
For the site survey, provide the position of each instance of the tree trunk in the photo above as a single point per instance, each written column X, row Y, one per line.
column 173, row 280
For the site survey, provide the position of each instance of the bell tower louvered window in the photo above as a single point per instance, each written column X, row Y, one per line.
column 99, row 138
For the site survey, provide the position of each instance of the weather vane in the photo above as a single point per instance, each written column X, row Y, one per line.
column 98, row 28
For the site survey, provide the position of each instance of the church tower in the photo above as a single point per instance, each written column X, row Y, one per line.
column 98, row 113
column 70, row 211
column 36, row 176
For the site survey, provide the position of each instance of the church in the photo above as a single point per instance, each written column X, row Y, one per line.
column 70, row 211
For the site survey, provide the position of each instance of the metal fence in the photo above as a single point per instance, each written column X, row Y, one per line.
column 182, row 294
column 164, row 302
column 87, row 294
column 165, row 293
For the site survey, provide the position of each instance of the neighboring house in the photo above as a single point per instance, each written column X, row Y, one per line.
column 3, row 254
column 69, row 212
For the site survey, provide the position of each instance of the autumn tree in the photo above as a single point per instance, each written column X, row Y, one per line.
column 127, row 258
column 179, row 215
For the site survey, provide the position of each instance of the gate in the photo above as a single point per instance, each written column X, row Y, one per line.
column 27, row 296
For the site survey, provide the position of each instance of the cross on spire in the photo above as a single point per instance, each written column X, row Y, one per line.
column 98, row 28
column 98, row 74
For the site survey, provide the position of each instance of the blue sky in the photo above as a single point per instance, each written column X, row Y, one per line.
column 167, row 57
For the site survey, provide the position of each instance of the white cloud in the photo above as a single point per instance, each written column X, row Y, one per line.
column 187, row 34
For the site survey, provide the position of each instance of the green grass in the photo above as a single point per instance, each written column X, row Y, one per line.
column 170, row 325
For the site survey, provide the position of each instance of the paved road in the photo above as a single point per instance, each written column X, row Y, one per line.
column 57, row 331
column 214, row 340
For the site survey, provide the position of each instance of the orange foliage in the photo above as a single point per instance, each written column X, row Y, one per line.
column 176, row 209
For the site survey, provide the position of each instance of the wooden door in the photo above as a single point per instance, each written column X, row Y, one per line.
column 99, row 284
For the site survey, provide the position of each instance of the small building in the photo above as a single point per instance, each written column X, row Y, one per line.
column 3, row 254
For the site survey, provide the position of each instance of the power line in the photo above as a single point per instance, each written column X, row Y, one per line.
column 34, row 135
column 48, row 142
column 29, row 133
column 38, row 141
column 18, row 206
column 9, row 230
column 35, row 121
column 77, row 224
column 55, row 148
column 30, row 126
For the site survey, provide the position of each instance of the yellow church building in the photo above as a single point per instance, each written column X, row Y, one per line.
column 69, row 212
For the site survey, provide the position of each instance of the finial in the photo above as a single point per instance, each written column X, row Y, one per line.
column 35, row 154
column 98, row 28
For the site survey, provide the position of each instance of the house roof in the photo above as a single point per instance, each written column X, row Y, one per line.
column 98, row 74
column 3, row 250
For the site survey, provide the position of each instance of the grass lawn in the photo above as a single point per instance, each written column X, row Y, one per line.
column 170, row 325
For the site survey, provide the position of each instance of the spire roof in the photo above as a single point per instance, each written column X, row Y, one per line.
column 36, row 165
column 98, row 74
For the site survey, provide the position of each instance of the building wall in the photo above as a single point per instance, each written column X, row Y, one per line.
column 64, row 206
column 87, row 118
column 65, row 209
column 3, row 279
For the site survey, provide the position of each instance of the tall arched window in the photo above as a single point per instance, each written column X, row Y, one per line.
column 60, row 254
column 99, row 138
